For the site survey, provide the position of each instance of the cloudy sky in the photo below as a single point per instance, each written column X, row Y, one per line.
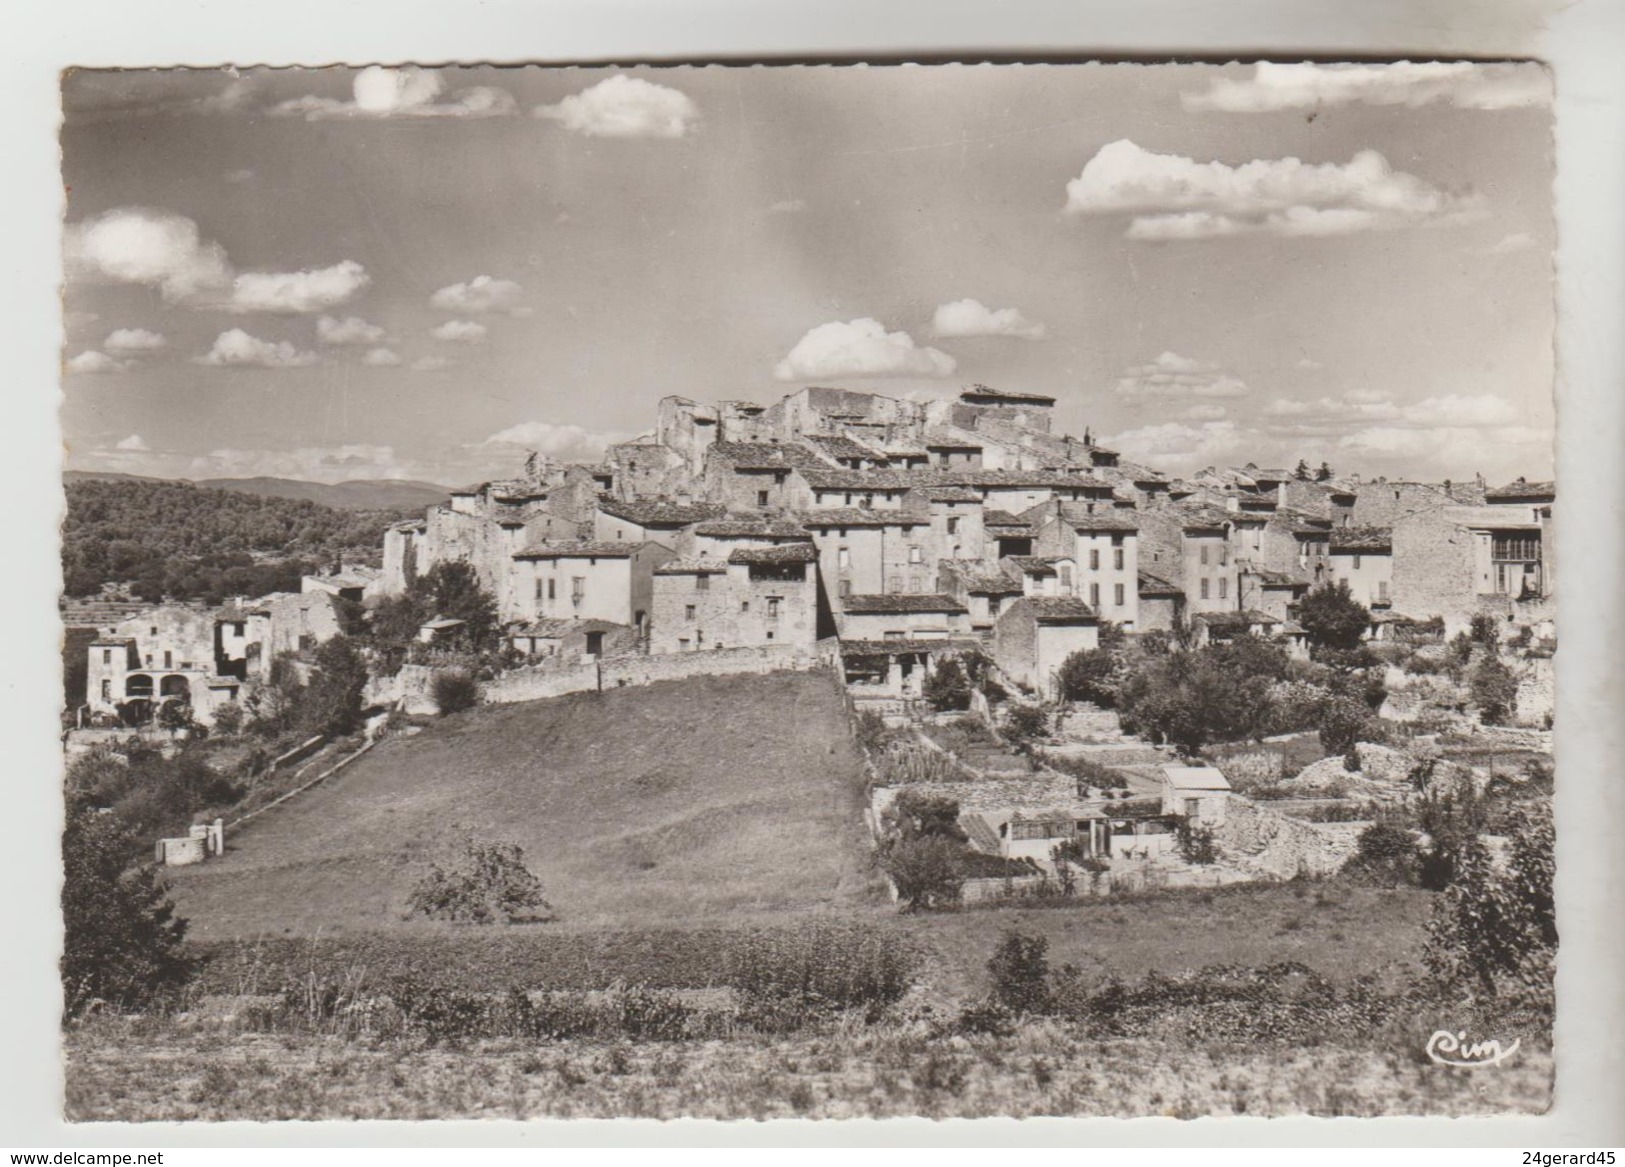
column 337, row 274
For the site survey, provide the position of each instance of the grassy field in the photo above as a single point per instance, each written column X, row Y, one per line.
column 1043, row 1069
column 697, row 801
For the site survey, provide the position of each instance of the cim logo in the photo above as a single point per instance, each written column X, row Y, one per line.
column 1453, row 1049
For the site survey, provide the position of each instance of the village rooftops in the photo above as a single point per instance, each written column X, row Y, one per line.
column 950, row 493
column 1047, row 609
column 765, row 455
column 1372, row 540
column 982, row 394
column 1155, row 585
column 839, row 446
column 1300, row 522
column 660, row 512
column 1277, row 579
column 580, row 549
column 1201, row 516
column 1523, row 491
column 887, row 603
column 784, row 553
column 693, row 565
column 947, row 439
column 1080, row 518
column 1037, row 566
column 1229, row 621
column 749, row 526
column 975, row 580
column 1030, row 479
column 907, row 646
column 860, row 517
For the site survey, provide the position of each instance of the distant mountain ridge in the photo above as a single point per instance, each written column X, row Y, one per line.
column 360, row 494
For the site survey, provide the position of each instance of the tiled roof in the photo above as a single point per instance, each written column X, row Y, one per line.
column 558, row 629
column 693, row 565
column 901, row 603
column 579, row 549
column 1278, row 579
column 765, row 455
column 1362, row 539
column 1052, row 608
column 746, row 526
column 1234, row 620
column 975, row 579
column 945, row 439
column 840, row 446
column 859, row 517
column 1300, row 522
column 1080, row 518
column 783, row 553
column 832, row 478
column 1195, row 777
column 899, row 646
column 997, row 518
column 664, row 511
column 1155, row 585
column 950, row 493
column 1038, row 565
column 1199, row 516
column 982, row 836
column 1069, row 479
column 1522, row 489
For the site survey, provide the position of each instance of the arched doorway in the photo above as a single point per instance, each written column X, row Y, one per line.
column 138, row 685
column 175, row 687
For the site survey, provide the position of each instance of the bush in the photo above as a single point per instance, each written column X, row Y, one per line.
column 1386, row 855
column 1196, row 844
column 332, row 702
column 122, row 939
column 1019, row 971
column 1452, row 823
column 920, row 814
column 947, row 687
column 834, row 966
column 1484, row 629
column 927, row 870
column 1025, row 724
column 1345, row 723
column 1494, row 690
column 1090, row 675
column 453, row 691
column 228, row 719
column 490, row 882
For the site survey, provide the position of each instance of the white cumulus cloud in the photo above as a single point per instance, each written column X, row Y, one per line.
column 135, row 443
column 300, row 291
column 1171, row 197
column 237, row 348
column 381, row 358
column 134, row 340
column 481, row 294
column 625, row 107
column 349, row 330
column 94, row 362
column 1275, row 86
column 564, row 442
column 407, row 92
column 1172, row 375
column 973, row 318
column 462, row 331
column 860, row 348
column 1180, row 445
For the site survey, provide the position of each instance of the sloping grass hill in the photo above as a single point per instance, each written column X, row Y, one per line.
column 709, row 801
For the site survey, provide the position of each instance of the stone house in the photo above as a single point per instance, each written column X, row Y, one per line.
column 1189, row 545
column 1033, row 637
column 668, row 522
column 1162, row 604
column 985, row 588
column 901, row 616
column 1458, row 561
column 588, row 580
column 864, row 552
column 755, row 596
column 1363, row 558
column 571, row 639
column 743, row 476
column 1102, row 543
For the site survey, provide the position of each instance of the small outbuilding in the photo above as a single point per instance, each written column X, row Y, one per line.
column 1197, row 793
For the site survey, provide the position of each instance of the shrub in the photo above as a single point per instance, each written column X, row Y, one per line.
column 920, row 814
column 1090, row 675
column 1346, row 723
column 1386, row 854
column 228, row 719
column 1019, row 972
column 122, row 939
column 927, row 870
column 1025, row 724
column 1494, row 690
column 1452, row 822
column 490, row 882
column 454, row 691
column 835, row 966
column 332, row 702
column 1196, row 844
column 947, row 687
column 871, row 732
column 1484, row 629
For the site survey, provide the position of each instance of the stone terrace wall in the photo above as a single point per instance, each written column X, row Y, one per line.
column 1282, row 847
column 535, row 683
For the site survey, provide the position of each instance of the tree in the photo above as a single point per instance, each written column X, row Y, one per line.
column 454, row 593
column 1493, row 924
column 1332, row 617
column 1345, row 724
column 121, row 937
column 1025, row 724
column 228, row 719
column 920, row 814
column 947, row 687
column 1494, row 690
column 333, row 700
column 1384, row 854
column 1090, row 675
column 1484, row 629
column 1019, row 970
column 1301, row 473
column 1452, row 822
column 488, row 883
column 926, row 870
column 1324, row 474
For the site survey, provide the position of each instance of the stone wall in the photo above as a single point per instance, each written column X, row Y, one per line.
column 1537, row 691
column 540, row 681
column 1280, row 847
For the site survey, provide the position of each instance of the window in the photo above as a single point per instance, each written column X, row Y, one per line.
column 953, row 524
column 552, row 589
column 844, row 587
column 773, row 603
column 688, row 611
column 1094, row 595
column 893, row 634
column 843, row 559
column 914, row 555
column 1064, row 572
column 107, row 690
column 1204, row 554
column 1224, row 587
column 682, row 644
column 744, row 605
column 1204, row 587
column 155, row 630
column 1117, row 595
column 169, row 659
column 1356, row 563
column 761, row 498
column 1117, row 558
column 578, row 588
column 769, row 635
column 1382, row 591
column 1094, row 559
column 1193, row 808
column 702, row 582
column 1224, row 554
column 107, row 656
